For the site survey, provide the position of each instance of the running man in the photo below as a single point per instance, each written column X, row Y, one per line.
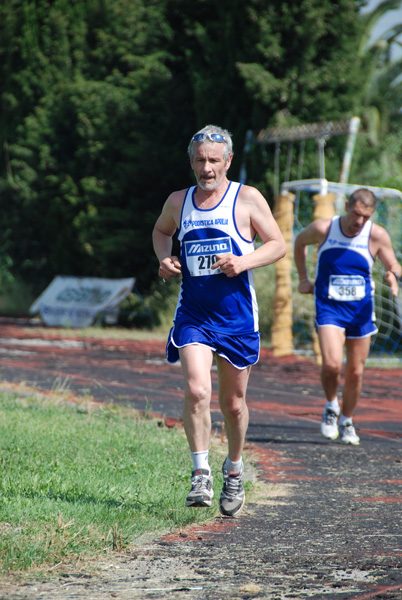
column 216, row 221
column 344, row 301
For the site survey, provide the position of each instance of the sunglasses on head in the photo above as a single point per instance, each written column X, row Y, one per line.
column 212, row 137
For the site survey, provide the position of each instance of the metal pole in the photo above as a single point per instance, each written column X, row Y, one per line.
column 321, row 157
column 350, row 146
column 347, row 159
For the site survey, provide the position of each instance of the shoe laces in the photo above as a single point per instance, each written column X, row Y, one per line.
column 330, row 417
column 199, row 481
column 233, row 483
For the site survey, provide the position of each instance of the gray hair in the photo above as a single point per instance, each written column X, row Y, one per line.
column 228, row 144
column 364, row 196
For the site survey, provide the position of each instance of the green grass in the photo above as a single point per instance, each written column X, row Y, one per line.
column 100, row 332
column 78, row 480
column 384, row 361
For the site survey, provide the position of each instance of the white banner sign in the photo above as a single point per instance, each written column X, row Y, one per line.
column 75, row 301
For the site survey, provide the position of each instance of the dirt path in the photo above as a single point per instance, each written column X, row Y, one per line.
column 330, row 525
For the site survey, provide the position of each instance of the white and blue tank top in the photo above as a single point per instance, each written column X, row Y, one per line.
column 208, row 297
column 344, row 273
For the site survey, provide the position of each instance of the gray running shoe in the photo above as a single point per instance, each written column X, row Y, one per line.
column 329, row 424
column 201, row 492
column 348, row 434
column 232, row 497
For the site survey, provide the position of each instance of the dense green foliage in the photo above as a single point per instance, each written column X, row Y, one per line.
column 100, row 97
column 87, row 81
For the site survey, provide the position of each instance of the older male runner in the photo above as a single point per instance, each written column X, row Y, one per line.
column 217, row 221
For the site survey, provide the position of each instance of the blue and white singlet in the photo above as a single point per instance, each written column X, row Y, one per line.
column 344, row 287
column 208, row 297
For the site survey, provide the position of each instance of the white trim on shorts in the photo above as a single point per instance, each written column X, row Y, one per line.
column 171, row 340
column 348, row 337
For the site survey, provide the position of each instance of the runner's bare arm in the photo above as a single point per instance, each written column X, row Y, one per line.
column 253, row 215
column 162, row 236
column 313, row 234
column 381, row 246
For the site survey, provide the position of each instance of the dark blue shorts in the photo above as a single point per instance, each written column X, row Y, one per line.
column 352, row 330
column 241, row 351
column 356, row 318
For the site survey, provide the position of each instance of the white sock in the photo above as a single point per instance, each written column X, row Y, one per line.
column 233, row 467
column 333, row 405
column 343, row 420
column 200, row 460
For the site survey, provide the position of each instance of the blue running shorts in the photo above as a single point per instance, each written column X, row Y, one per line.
column 352, row 330
column 241, row 351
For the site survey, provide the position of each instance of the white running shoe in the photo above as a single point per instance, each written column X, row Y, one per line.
column 329, row 424
column 348, row 434
column 232, row 496
column 201, row 492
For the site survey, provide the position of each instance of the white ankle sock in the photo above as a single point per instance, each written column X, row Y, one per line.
column 333, row 405
column 343, row 420
column 233, row 467
column 200, row 460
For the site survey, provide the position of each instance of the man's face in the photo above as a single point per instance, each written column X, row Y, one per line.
column 209, row 164
column 356, row 217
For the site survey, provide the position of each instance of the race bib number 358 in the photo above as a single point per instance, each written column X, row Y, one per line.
column 201, row 255
column 346, row 288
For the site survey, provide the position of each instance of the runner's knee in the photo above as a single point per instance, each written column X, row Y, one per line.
column 233, row 408
column 331, row 368
column 354, row 372
column 198, row 394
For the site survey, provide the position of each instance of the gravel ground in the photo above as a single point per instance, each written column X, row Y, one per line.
column 328, row 525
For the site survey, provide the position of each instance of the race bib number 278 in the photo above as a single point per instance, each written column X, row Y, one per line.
column 201, row 255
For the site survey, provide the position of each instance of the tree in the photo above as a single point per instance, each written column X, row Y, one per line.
column 379, row 156
column 102, row 97
column 263, row 62
column 81, row 163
